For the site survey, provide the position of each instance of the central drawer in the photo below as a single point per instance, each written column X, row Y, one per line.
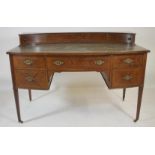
column 80, row 63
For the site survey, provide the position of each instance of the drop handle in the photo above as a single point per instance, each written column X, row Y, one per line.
column 99, row 62
column 127, row 77
column 58, row 62
column 28, row 62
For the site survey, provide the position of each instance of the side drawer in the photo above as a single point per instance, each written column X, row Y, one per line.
column 31, row 79
column 127, row 77
column 78, row 63
column 127, row 61
column 26, row 62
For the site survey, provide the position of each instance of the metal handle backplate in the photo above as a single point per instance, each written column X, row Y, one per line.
column 127, row 77
column 128, row 61
column 58, row 62
column 28, row 62
column 99, row 62
column 29, row 78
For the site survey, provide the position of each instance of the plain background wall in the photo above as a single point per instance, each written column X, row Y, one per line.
column 9, row 39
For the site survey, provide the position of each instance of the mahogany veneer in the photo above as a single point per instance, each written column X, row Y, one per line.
column 115, row 55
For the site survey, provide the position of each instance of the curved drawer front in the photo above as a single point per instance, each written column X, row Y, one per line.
column 127, row 77
column 78, row 63
column 23, row 62
column 127, row 61
column 33, row 79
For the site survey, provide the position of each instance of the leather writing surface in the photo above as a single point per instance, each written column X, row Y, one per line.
column 78, row 48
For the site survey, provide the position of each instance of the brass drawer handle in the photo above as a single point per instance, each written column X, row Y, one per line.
column 58, row 62
column 127, row 77
column 28, row 62
column 99, row 62
column 29, row 78
column 128, row 61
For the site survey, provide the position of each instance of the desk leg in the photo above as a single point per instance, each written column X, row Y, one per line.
column 124, row 92
column 140, row 93
column 16, row 95
column 30, row 94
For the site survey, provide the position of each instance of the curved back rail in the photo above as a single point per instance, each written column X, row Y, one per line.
column 82, row 37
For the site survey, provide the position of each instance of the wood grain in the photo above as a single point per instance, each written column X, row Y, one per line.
column 83, row 37
column 120, row 61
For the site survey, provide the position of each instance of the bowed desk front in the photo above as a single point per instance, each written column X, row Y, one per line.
column 114, row 55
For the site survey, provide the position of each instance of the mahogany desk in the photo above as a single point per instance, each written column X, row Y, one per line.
column 114, row 55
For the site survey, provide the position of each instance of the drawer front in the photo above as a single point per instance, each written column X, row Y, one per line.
column 32, row 79
column 127, row 77
column 78, row 63
column 23, row 62
column 127, row 61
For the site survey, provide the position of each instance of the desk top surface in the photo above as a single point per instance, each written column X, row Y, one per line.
column 79, row 48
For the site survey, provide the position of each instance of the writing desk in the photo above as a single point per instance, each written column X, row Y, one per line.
column 115, row 55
